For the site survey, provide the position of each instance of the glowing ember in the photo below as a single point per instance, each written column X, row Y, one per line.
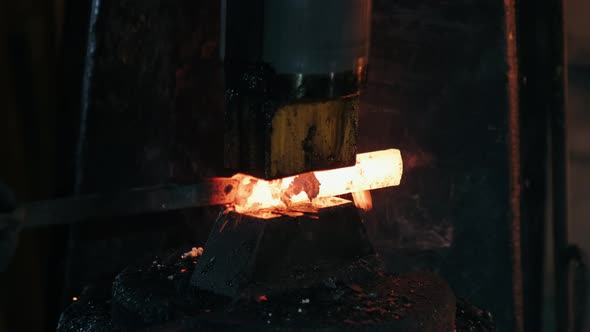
column 363, row 200
column 373, row 170
column 194, row 253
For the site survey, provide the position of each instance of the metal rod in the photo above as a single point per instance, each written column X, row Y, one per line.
column 215, row 191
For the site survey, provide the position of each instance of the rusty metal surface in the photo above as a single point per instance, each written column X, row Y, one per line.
column 153, row 108
column 155, row 92
column 438, row 91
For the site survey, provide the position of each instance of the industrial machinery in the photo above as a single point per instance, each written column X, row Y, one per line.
column 294, row 70
column 258, row 158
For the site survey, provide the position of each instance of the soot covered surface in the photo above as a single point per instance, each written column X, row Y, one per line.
column 155, row 295
column 312, row 271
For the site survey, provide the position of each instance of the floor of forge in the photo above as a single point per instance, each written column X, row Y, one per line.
column 156, row 296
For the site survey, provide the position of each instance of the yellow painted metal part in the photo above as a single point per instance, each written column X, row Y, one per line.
column 313, row 136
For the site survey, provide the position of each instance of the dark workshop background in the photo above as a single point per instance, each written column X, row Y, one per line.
column 30, row 33
column 31, row 117
column 578, row 43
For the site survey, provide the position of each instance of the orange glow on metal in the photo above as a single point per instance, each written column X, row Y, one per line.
column 373, row 170
column 363, row 200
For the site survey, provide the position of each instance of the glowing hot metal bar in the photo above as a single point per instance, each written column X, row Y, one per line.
column 373, row 170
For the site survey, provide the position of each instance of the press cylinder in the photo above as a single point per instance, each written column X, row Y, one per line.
column 286, row 62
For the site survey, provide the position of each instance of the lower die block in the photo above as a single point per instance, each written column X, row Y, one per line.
column 269, row 246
